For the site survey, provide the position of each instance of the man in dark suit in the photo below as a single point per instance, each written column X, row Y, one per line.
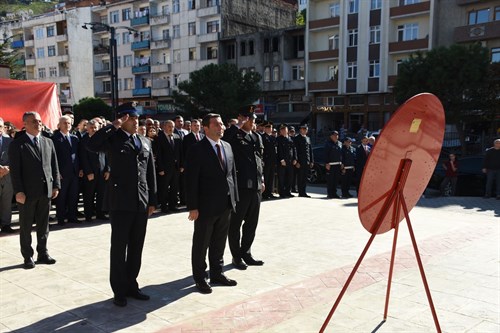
column 95, row 174
column 35, row 179
column 333, row 164
column 362, row 153
column 169, row 162
column 248, row 149
column 269, row 158
column 132, row 198
column 211, row 194
column 68, row 159
column 348, row 167
column 6, row 190
column 287, row 158
column 193, row 137
column 304, row 159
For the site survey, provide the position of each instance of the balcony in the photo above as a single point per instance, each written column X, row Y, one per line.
column 209, row 37
column 324, row 85
column 29, row 43
column 62, row 58
column 142, row 92
column 324, row 23
column 101, row 49
column 409, row 45
column 323, row 55
column 103, row 94
column 159, row 19
column 17, row 44
column 161, row 44
column 138, row 21
column 157, row 92
column 97, row 29
column 141, row 45
column 161, row 68
column 141, row 69
column 30, row 62
column 413, row 9
column 61, row 38
column 102, row 73
column 208, row 11
column 477, row 32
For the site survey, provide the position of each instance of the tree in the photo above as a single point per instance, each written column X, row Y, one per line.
column 217, row 88
column 11, row 59
column 460, row 76
column 301, row 18
column 90, row 107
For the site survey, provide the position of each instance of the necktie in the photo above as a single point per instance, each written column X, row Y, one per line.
column 68, row 139
column 137, row 142
column 196, row 135
column 171, row 140
column 219, row 155
column 35, row 143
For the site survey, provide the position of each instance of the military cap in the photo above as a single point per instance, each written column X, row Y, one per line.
column 303, row 126
column 127, row 109
column 248, row 111
column 334, row 133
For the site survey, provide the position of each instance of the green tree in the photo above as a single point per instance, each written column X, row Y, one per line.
column 12, row 59
column 90, row 107
column 217, row 88
column 301, row 18
column 460, row 76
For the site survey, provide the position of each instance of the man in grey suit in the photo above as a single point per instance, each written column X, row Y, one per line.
column 211, row 195
column 35, row 179
column 6, row 191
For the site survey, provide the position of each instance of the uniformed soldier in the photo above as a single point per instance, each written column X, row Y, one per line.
column 269, row 141
column 333, row 164
column 304, row 159
column 287, row 158
column 348, row 160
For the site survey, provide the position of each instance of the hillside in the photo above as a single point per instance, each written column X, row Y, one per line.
column 9, row 7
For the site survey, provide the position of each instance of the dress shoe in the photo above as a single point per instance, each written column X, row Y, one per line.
column 204, row 287
column 102, row 217
column 120, row 301
column 290, row 195
column 8, row 229
column 46, row 259
column 239, row 264
column 74, row 221
column 251, row 261
column 29, row 263
column 222, row 279
column 138, row 294
column 304, row 195
column 88, row 219
column 80, row 214
column 61, row 222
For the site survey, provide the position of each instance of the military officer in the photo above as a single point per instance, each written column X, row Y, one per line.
column 348, row 160
column 269, row 142
column 304, row 159
column 333, row 164
column 287, row 158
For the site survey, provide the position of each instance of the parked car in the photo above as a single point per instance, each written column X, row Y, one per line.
column 471, row 180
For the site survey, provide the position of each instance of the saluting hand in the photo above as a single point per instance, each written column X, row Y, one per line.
column 117, row 123
column 193, row 215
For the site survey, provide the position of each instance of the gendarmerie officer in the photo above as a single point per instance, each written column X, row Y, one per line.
column 269, row 158
column 348, row 160
column 247, row 149
column 287, row 158
column 304, row 159
column 132, row 198
column 333, row 164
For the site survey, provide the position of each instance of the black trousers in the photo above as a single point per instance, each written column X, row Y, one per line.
column 332, row 180
column 170, row 189
column 269, row 171
column 34, row 211
column 302, row 178
column 93, row 195
column 247, row 209
column 67, row 200
column 210, row 234
column 128, row 230
column 346, row 181
column 285, row 174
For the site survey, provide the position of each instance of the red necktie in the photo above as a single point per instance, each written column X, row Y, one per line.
column 197, row 137
column 219, row 155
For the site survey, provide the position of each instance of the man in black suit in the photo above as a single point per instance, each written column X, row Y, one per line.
column 248, row 149
column 35, row 179
column 269, row 158
column 193, row 137
column 304, row 159
column 169, row 162
column 362, row 153
column 333, row 164
column 132, row 198
column 66, row 145
column 211, row 196
column 6, row 190
column 348, row 168
column 287, row 158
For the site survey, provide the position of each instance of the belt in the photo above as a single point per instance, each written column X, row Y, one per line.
column 349, row 167
column 335, row 163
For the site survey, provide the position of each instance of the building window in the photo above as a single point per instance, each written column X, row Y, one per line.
column 119, row 61
column 211, row 3
column 375, row 34
column 243, row 48
column 333, row 42
column 352, row 70
column 267, row 45
column 39, row 33
column 165, row 10
column 176, row 6
column 52, row 71
column 335, row 9
column 250, row 47
column 398, row 65
column 212, row 26
column 230, row 51
column 212, row 52
column 120, row 86
column 333, row 72
column 495, row 54
column 118, row 39
column 166, row 34
column 126, row 38
column 40, row 52
column 50, row 31
column 191, row 4
column 51, row 51
column 114, row 16
column 106, row 86
column 267, row 74
column 41, row 73
column 276, row 73
column 126, row 14
column 176, row 29
column 410, row 2
column 128, row 84
column 192, row 28
column 353, row 37
column 374, row 68
column 479, row 16
column 497, row 13
column 297, row 72
column 375, row 4
column 353, row 6
column 192, row 53
column 127, row 61
column 276, row 44
column 407, row 32
column 177, row 55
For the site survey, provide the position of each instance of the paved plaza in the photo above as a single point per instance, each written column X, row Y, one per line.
column 309, row 247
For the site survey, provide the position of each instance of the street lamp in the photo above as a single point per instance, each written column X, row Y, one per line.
column 112, row 55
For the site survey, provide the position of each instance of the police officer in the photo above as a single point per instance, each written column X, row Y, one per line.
column 269, row 141
column 333, row 164
column 304, row 159
column 348, row 160
column 287, row 158
column 247, row 149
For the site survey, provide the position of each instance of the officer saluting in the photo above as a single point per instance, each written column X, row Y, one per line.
column 333, row 164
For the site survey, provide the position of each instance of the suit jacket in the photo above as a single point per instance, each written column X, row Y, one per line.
column 285, row 149
column 33, row 173
column 248, row 157
column 190, row 140
column 207, row 185
column 92, row 162
column 361, row 157
column 67, row 155
column 269, row 157
column 4, row 150
column 133, row 178
column 304, row 149
column 168, row 158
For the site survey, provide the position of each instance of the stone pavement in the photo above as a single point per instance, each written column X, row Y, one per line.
column 309, row 247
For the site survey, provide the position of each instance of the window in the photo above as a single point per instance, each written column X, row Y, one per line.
column 106, row 86
column 410, row 2
column 118, row 39
column 398, row 65
column 267, row 45
column 50, row 31
column 51, row 51
column 127, row 61
column 120, row 85
column 375, row 34
column 40, row 52
column 333, row 42
column 243, row 48
column 267, row 74
column 297, row 72
column 375, row 4
column 126, row 14
column 230, row 51
column 303, row 2
column 212, row 26
column 177, row 55
column 176, row 6
column 212, row 52
column 479, row 16
column 211, row 3
column 166, row 34
column 41, row 73
column 276, row 73
column 352, row 70
column 335, row 9
column 495, row 54
column 276, row 44
column 176, row 29
column 497, row 14
column 165, row 56
column 114, row 16
column 176, row 79
column 374, row 68
column 192, row 53
column 192, row 28
column 333, row 72
column 52, row 71
column 191, row 4
column 250, row 47
column 353, row 6
column 119, row 62
column 128, row 84
column 353, row 37
column 39, row 33
column 126, row 38
column 407, row 32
